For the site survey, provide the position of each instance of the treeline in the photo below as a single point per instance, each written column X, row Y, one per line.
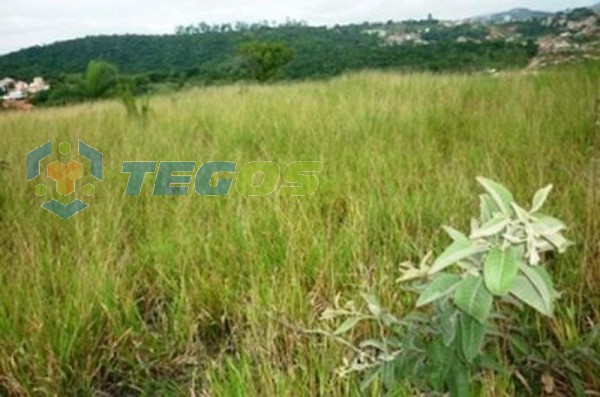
column 260, row 61
column 320, row 51
column 204, row 27
column 205, row 54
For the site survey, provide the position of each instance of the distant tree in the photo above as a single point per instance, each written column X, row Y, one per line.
column 100, row 77
column 266, row 59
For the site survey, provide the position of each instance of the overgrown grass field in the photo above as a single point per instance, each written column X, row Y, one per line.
column 212, row 295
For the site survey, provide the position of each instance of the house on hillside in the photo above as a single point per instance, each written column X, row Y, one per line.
column 552, row 44
column 37, row 85
column 381, row 33
column 403, row 38
column 14, row 90
column 22, row 87
column 14, row 95
column 6, row 84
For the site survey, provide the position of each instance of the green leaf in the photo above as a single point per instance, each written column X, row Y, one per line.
column 543, row 273
column 473, row 298
column 490, row 228
column 373, row 304
column 388, row 374
column 540, row 198
column 459, row 381
column 541, row 280
column 456, row 251
column 448, row 325
column 487, row 207
column 389, row 319
column 347, row 325
column 441, row 286
column 545, row 225
column 521, row 213
column 439, row 363
column 472, row 334
column 500, row 270
column 526, row 292
column 501, row 195
column 454, row 234
column 558, row 241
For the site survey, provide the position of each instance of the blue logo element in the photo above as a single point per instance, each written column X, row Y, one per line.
column 64, row 175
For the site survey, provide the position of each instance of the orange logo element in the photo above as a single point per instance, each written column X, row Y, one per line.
column 65, row 176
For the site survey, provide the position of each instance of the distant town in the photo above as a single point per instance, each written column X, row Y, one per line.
column 15, row 93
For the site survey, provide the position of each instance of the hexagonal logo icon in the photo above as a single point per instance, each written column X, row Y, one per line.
column 64, row 175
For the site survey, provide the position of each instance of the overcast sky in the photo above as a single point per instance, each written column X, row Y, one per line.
column 24, row 23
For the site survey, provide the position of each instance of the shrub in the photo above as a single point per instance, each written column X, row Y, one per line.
column 265, row 59
column 100, row 77
column 135, row 109
column 468, row 292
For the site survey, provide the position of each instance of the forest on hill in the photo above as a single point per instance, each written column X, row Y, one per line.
column 203, row 54
column 211, row 54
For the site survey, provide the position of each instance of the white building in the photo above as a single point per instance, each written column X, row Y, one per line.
column 6, row 84
column 38, row 85
column 14, row 90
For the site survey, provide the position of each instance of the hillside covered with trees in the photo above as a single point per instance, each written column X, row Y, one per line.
column 203, row 54
column 210, row 53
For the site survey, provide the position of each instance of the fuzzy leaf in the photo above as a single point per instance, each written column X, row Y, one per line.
column 456, row 251
column 521, row 213
column 540, row 198
column 439, row 359
column 546, row 225
column 558, row 241
column 542, row 282
column 388, row 374
column 459, row 381
column 347, row 325
column 501, row 195
column 472, row 334
column 487, row 207
column 524, row 290
column 441, row 286
column 448, row 325
column 473, row 298
column 490, row 228
column 500, row 270
column 543, row 272
column 373, row 304
column 454, row 234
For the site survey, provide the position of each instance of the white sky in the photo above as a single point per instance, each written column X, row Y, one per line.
column 24, row 23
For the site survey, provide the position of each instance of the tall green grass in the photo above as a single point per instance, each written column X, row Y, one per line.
column 208, row 295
